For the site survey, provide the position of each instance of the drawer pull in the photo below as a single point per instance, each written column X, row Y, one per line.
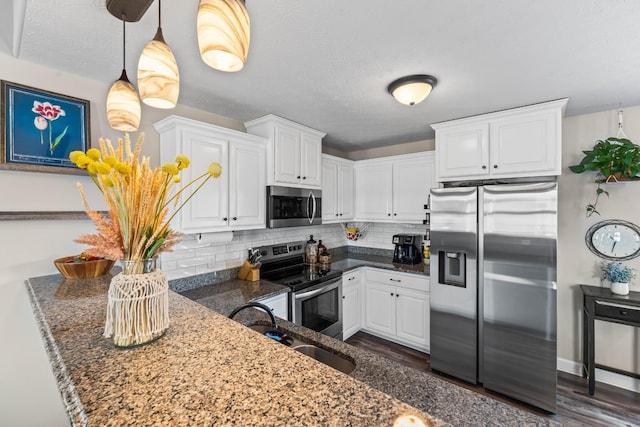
column 351, row 278
column 623, row 312
column 396, row 280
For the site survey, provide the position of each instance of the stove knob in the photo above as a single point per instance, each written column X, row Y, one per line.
column 263, row 253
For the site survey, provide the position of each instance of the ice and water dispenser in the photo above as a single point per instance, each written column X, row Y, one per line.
column 452, row 268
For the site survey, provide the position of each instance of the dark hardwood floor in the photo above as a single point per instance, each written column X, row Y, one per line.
column 610, row 406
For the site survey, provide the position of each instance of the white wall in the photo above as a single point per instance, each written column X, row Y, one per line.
column 617, row 345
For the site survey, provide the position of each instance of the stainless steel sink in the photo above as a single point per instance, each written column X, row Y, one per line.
column 333, row 360
column 326, row 357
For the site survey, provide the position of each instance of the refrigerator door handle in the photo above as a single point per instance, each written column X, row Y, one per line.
column 539, row 187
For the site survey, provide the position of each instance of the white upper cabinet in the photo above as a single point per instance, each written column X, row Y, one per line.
column 337, row 189
column 247, row 183
column 234, row 201
column 294, row 151
column 522, row 142
column 394, row 189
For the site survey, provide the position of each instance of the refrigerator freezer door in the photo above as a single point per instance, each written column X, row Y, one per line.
column 454, row 282
column 518, row 355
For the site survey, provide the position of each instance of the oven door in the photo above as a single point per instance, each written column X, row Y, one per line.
column 319, row 308
column 293, row 207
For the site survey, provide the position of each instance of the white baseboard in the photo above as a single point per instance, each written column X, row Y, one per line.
column 602, row 376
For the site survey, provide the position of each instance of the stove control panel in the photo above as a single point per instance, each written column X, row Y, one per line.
column 282, row 250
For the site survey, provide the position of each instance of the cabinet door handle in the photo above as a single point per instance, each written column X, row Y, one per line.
column 388, row 214
column 234, row 218
column 340, row 214
column 396, row 280
column 225, row 219
column 298, row 177
column 336, row 214
column 395, row 214
column 391, row 293
column 484, row 166
column 304, row 177
column 495, row 166
column 343, row 297
column 397, row 295
column 351, row 278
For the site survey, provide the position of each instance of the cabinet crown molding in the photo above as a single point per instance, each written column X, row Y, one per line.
column 272, row 119
column 543, row 106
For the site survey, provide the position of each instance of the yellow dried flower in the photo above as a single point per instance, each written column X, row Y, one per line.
column 122, row 168
column 75, row 155
column 103, row 168
column 215, row 170
column 170, row 169
column 106, row 181
column 91, row 168
column 111, row 160
column 182, row 161
column 93, row 154
column 83, row 161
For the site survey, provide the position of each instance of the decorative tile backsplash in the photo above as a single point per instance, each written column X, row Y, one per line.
column 206, row 253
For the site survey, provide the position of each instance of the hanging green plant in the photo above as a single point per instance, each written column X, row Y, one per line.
column 614, row 159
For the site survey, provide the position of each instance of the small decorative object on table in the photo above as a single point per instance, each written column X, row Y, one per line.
column 619, row 275
column 135, row 231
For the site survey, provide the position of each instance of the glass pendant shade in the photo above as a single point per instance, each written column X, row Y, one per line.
column 223, row 33
column 123, row 105
column 158, row 76
column 411, row 90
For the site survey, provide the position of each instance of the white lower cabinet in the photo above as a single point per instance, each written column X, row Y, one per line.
column 397, row 307
column 352, row 303
column 279, row 305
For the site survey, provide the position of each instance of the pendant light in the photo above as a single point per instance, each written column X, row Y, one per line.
column 123, row 104
column 158, row 76
column 411, row 90
column 223, row 33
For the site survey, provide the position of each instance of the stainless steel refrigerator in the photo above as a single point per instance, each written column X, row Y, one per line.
column 493, row 288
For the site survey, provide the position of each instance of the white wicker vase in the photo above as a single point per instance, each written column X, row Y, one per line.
column 138, row 308
column 620, row 288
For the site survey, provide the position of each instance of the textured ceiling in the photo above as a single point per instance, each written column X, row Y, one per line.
column 326, row 64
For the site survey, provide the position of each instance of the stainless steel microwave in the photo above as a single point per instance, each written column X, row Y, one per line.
column 293, row 207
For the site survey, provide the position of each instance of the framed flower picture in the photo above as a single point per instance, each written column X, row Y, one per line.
column 40, row 129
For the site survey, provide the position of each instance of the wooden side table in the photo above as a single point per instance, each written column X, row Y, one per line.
column 601, row 304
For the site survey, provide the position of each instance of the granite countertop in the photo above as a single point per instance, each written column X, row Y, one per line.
column 206, row 370
column 346, row 262
column 439, row 398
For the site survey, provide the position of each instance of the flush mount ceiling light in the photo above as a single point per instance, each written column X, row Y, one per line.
column 411, row 90
column 123, row 104
column 223, row 33
column 158, row 76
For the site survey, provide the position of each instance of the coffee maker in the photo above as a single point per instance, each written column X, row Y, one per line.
column 408, row 249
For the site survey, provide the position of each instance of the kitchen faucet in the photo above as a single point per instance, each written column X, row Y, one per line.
column 236, row 310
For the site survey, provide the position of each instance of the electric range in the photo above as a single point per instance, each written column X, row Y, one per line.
column 315, row 299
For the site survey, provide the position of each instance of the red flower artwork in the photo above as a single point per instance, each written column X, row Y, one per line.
column 49, row 112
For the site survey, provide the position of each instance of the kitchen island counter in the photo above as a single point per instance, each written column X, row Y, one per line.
column 426, row 392
column 206, row 370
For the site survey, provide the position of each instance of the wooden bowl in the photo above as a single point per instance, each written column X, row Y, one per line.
column 81, row 270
